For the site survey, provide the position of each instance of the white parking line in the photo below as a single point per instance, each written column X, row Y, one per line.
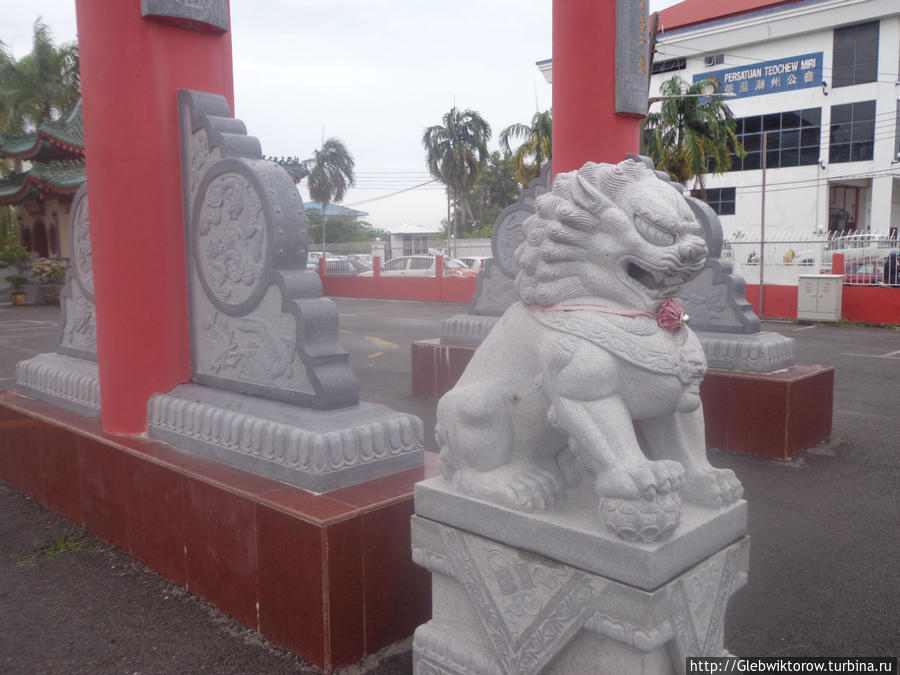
column 889, row 355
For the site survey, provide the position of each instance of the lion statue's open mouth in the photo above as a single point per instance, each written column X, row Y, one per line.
column 567, row 370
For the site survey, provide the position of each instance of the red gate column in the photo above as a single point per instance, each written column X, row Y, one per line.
column 131, row 70
column 586, row 126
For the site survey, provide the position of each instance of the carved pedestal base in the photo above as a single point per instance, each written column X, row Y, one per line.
column 467, row 329
column 70, row 383
column 761, row 352
column 317, row 450
column 499, row 609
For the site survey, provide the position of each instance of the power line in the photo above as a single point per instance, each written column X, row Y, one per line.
column 375, row 199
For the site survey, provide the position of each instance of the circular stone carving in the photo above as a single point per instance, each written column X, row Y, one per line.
column 80, row 233
column 508, row 234
column 230, row 241
column 642, row 520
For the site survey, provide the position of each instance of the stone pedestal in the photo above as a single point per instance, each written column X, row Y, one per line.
column 327, row 576
column 770, row 414
column 555, row 593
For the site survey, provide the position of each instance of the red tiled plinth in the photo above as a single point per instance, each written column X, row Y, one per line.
column 775, row 415
column 436, row 367
column 330, row 576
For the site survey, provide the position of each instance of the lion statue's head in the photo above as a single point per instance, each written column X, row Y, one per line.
column 614, row 234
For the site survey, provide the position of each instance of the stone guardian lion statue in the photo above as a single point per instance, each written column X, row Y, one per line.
column 594, row 368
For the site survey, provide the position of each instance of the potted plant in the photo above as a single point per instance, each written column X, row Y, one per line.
column 17, row 257
column 17, row 294
column 50, row 273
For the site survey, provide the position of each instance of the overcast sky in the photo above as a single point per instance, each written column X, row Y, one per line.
column 374, row 73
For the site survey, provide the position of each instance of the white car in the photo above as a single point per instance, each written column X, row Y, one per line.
column 475, row 262
column 421, row 266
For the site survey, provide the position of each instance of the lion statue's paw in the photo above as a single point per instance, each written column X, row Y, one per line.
column 640, row 480
column 712, row 487
column 526, row 486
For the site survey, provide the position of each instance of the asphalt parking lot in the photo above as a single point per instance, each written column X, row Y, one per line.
column 825, row 525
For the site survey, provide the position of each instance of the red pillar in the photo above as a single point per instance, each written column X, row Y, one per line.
column 585, row 124
column 131, row 70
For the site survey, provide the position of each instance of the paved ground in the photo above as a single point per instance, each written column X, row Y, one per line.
column 825, row 527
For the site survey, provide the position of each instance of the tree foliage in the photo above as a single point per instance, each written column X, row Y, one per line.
column 456, row 151
column 341, row 229
column 495, row 188
column 536, row 147
column 40, row 86
column 691, row 135
column 330, row 175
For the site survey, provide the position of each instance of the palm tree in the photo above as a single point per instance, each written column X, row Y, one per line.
column 537, row 146
column 456, row 151
column 330, row 175
column 692, row 134
column 40, row 86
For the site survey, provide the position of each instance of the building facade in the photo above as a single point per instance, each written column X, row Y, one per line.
column 47, row 169
column 816, row 93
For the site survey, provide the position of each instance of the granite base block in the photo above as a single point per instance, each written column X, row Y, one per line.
column 71, row 383
column 499, row 609
column 317, row 450
column 571, row 532
column 762, row 352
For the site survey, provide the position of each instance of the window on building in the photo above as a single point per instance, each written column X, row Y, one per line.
column 713, row 60
column 896, row 156
column 669, row 65
column 855, row 56
column 720, row 199
column 793, row 139
column 852, row 132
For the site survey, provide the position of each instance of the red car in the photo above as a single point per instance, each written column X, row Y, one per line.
column 867, row 271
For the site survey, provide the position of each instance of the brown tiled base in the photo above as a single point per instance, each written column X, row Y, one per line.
column 775, row 415
column 436, row 367
column 330, row 577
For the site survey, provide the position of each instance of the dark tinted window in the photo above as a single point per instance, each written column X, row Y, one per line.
column 792, row 139
column 855, row 55
column 852, row 132
column 721, row 200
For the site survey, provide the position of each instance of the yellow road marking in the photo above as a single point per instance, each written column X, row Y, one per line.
column 378, row 342
column 372, row 356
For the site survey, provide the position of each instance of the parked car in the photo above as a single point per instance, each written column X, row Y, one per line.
column 422, row 266
column 864, row 271
column 338, row 267
column 364, row 258
column 475, row 262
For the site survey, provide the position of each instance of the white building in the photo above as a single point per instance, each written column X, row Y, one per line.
column 820, row 79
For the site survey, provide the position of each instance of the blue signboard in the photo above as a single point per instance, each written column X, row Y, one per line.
column 768, row 77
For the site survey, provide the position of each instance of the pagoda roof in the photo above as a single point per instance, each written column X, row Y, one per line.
column 53, row 140
column 44, row 178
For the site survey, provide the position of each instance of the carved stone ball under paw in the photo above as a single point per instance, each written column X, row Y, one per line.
column 642, row 520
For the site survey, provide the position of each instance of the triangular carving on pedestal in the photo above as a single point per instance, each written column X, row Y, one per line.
column 530, row 609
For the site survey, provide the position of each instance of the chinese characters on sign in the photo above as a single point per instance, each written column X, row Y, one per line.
column 768, row 77
column 632, row 58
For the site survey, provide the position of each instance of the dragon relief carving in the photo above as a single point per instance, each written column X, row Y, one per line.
column 231, row 238
column 596, row 344
column 249, row 347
